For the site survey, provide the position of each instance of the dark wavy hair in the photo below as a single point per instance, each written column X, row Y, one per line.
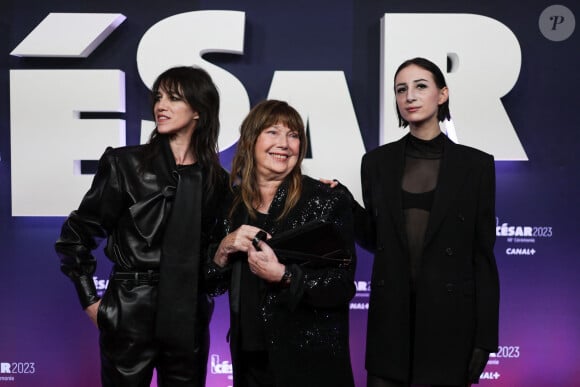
column 196, row 87
column 443, row 111
column 243, row 173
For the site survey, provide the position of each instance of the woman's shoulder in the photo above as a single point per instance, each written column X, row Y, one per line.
column 126, row 160
column 385, row 150
column 119, row 161
column 314, row 187
column 124, row 152
column 474, row 155
column 309, row 183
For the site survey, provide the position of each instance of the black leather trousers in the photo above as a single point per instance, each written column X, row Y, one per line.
column 129, row 350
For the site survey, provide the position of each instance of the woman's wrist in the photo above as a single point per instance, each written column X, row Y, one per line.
column 221, row 257
column 286, row 278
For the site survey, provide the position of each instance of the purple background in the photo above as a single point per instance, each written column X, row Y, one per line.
column 40, row 318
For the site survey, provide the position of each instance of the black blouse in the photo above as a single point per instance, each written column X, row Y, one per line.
column 420, row 174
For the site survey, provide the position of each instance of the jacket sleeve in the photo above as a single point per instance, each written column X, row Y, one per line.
column 486, row 274
column 329, row 286
column 86, row 227
column 217, row 279
column 365, row 231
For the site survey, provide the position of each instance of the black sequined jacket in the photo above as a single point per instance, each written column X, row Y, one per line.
column 307, row 324
column 128, row 205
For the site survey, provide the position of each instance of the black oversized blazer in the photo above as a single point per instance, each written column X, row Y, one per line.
column 457, row 285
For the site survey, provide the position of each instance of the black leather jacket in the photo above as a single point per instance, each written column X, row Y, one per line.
column 128, row 204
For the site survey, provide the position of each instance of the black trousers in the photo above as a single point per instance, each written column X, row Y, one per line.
column 377, row 381
column 129, row 350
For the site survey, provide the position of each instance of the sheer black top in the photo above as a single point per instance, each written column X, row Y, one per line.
column 420, row 174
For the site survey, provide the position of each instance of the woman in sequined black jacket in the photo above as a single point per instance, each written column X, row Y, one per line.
column 299, row 322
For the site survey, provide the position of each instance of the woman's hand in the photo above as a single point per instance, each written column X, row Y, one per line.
column 332, row 183
column 92, row 310
column 264, row 263
column 477, row 364
column 238, row 240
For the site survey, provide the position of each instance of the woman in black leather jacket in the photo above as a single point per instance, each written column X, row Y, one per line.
column 289, row 322
column 154, row 205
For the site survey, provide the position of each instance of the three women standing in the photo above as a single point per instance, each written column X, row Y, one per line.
column 429, row 217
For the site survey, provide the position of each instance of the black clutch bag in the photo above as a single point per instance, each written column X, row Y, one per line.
column 316, row 244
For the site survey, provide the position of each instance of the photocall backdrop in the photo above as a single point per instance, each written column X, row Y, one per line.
column 74, row 79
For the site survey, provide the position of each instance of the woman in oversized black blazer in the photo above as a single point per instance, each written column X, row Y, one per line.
column 433, row 313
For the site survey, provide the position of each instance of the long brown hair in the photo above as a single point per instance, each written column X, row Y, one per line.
column 243, row 173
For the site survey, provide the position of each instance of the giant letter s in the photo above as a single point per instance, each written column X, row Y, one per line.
column 182, row 40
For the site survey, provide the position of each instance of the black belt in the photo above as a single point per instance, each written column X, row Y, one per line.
column 149, row 277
